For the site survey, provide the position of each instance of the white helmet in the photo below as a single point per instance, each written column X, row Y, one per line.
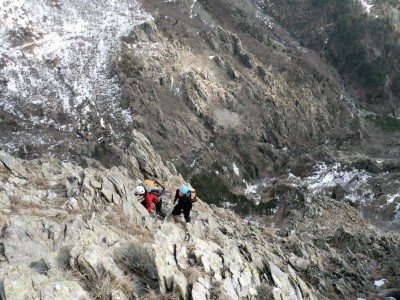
column 139, row 190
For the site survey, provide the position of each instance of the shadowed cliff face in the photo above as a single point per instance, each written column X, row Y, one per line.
column 232, row 89
column 359, row 38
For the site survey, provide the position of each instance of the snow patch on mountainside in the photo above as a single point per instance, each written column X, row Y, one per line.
column 325, row 177
column 260, row 13
column 56, row 57
column 352, row 180
column 367, row 4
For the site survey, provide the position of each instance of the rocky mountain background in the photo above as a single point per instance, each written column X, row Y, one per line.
column 282, row 115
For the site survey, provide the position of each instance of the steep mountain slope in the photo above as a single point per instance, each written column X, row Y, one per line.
column 80, row 233
column 250, row 105
column 219, row 99
column 360, row 38
column 58, row 86
column 221, row 90
column 248, row 97
column 96, row 98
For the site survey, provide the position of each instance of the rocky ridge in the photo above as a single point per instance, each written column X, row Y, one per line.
column 80, row 233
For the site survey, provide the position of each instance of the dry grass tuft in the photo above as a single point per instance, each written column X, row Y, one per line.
column 376, row 274
column 26, row 208
column 106, row 284
column 331, row 268
column 117, row 219
column 100, row 288
column 4, row 219
column 267, row 232
column 191, row 247
column 194, row 273
column 218, row 292
column 264, row 292
column 74, row 275
column 390, row 273
column 40, row 182
column 21, row 207
column 151, row 295
column 360, row 256
column 14, row 199
column 121, row 225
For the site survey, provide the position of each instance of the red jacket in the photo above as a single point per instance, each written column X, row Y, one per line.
column 150, row 199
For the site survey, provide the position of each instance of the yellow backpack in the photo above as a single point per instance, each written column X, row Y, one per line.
column 193, row 195
column 151, row 186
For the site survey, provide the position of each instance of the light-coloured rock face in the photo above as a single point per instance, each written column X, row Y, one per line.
column 90, row 245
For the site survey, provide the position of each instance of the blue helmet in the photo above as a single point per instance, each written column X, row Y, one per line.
column 184, row 189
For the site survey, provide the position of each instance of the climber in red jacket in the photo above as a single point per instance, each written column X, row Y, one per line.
column 149, row 199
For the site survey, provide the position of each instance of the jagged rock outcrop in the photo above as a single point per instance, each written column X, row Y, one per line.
column 239, row 99
column 107, row 245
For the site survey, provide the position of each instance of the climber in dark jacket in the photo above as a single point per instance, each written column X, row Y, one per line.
column 184, row 205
